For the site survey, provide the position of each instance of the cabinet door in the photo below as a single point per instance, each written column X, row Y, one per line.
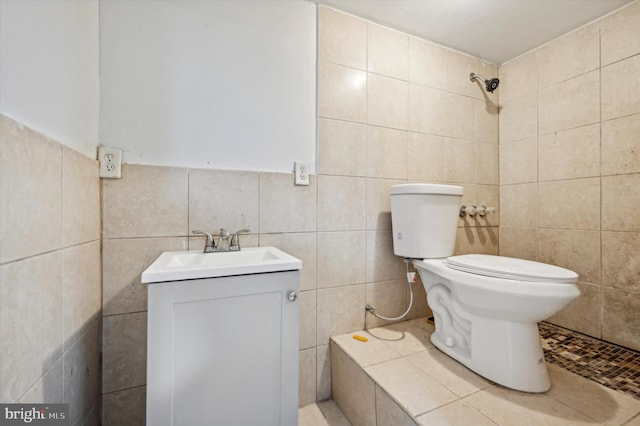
column 223, row 351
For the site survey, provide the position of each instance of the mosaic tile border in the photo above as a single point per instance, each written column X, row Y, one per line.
column 613, row 366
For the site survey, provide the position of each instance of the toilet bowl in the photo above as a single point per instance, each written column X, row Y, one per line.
column 486, row 308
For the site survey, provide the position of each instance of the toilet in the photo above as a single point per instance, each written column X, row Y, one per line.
column 485, row 308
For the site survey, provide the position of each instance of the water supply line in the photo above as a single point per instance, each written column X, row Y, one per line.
column 411, row 278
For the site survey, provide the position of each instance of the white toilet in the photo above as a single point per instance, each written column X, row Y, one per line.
column 486, row 308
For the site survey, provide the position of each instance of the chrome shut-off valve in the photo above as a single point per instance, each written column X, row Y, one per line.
column 472, row 211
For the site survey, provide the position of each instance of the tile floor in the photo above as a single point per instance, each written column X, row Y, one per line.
column 399, row 378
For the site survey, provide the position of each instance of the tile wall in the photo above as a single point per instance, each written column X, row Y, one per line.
column 50, row 283
column 377, row 88
column 570, row 168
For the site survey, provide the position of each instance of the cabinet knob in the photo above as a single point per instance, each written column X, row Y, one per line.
column 292, row 296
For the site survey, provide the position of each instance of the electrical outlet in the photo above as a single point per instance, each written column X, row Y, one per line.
column 302, row 173
column 110, row 162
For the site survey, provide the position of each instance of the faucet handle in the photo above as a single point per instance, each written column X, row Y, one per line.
column 224, row 233
column 210, row 245
column 235, row 240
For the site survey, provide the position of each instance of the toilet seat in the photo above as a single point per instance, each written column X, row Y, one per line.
column 511, row 268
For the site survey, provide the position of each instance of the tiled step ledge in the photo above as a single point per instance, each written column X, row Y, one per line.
column 398, row 377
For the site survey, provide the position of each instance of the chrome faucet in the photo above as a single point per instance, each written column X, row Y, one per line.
column 210, row 245
column 226, row 241
column 235, row 240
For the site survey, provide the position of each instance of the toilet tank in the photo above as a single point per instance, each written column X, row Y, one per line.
column 424, row 218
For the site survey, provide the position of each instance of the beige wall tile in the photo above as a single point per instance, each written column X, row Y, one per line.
column 382, row 264
column 388, row 412
column 569, row 204
column 127, row 407
column 483, row 240
column 487, row 126
column 620, row 319
column 387, row 52
column 459, row 116
column 149, row 201
column 583, row 314
column 488, row 196
column 520, row 243
column 82, row 289
column 426, row 112
column 487, row 165
column 30, row 187
column 620, row 34
column 518, row 205
column 620, row 145
column 621, row 260
column 569, row 154
column 576, row 250
column 279, row 197
column 124, row 351
column 336, row 192
column 30, row 321
column 342, row 92
column 123, row 261
column 340, row 310
column 459, row 161
column 48, row 388
column 425, row 158
column 390, row 299
column 426, row 63
column 353, row 390
column 420, row 308
column 569, row 56
column 223, row 199
column 620, row 200
column 458, row 66
column 301, row 245
column 323, row 391
column 519, row 161
column 519, row 77
column 387, row 101
column 572, row 103
column 307, row 377
column 342, row 38
column 82, row 371
column 386, row 153
column 307, row 337
column 621, row 88
column 341, row 258
column 519, row 119
column 80, row 198
column 379, row 202
column 341, row 145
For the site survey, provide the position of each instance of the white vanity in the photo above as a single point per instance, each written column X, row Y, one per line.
column 222, row 338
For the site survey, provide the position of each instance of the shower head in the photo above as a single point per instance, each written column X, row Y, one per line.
column 490, row 85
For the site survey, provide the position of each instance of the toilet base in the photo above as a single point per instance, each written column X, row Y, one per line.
column 507, row 353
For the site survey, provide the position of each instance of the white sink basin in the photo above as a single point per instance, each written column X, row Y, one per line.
column 188, row 265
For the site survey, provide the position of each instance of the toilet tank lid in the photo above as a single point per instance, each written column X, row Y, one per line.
column 511, row 268
column 426, row 188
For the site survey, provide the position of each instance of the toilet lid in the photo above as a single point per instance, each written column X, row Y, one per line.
column 510, row 268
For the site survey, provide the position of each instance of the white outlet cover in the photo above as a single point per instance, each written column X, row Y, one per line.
column 110, row 162
column 301, row 173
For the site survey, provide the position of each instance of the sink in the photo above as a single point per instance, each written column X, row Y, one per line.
column 188, row 265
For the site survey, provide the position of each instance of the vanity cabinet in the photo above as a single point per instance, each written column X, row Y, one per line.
column 223, row 351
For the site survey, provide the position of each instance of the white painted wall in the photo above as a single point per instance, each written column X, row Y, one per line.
column 211, row 84
column 49, row 69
